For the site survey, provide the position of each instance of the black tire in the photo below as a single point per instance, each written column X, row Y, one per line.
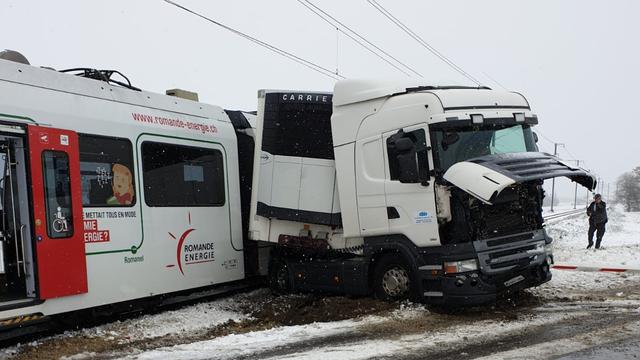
column 393, row 279
column 279, row 277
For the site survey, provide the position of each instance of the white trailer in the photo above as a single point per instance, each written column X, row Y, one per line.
column 402, row 189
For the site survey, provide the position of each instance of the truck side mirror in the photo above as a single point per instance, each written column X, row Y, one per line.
column 449, row 139
column 535, row 137
column 406, row 159
column 404, row 144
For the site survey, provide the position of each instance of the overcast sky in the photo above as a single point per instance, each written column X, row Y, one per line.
column 576, row 61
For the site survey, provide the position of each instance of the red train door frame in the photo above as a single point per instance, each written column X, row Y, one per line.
column 59, row 233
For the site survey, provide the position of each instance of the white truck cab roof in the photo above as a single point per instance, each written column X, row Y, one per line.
column 357, row 100
column 353, row 91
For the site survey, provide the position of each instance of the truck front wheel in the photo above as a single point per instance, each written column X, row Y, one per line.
column 392, row 278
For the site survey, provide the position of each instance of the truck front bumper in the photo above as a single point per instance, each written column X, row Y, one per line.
column 474, row 288
column 505, row 264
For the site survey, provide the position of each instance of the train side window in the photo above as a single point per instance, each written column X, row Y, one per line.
column 57, row 192
column 106, row 171
column 178, row 175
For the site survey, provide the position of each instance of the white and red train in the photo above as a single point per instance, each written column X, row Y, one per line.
column 110, row 195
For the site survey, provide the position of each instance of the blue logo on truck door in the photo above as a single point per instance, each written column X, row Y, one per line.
column 423, row 217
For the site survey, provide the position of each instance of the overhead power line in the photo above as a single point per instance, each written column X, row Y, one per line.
column 573, row 157
column 311, row 65
column 544, row 137
column 421, row 41
column 357, row 38
column 495, row 81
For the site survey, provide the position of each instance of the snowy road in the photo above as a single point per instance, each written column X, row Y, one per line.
column 576, row 315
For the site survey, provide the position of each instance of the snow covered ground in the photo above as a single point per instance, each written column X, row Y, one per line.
column 620, row 245
column 172, row 322
column 258, row 325
column 235, row 346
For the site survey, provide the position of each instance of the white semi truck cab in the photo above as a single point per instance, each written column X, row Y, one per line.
column 402, row 190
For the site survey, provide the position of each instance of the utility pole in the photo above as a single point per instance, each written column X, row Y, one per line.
column 553, row 181
column 601, row 185
column 575, row 192
column 586, row 199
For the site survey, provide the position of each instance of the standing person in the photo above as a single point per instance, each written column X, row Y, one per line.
column 597, row 212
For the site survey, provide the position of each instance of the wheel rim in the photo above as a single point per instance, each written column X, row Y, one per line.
column 395, row 281
column 281, row 277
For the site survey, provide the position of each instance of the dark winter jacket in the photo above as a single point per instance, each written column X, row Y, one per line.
column 597, row 212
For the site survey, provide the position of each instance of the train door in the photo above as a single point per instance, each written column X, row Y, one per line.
column 57, row 212
column 17, row 280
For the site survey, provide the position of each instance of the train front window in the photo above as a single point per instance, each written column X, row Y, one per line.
column 455, row 144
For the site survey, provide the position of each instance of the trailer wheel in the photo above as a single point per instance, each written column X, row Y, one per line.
column 279, row 281
column 392, row 278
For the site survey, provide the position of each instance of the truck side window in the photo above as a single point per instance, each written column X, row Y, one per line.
column 106, row 171
column 57, row 193
column 419, row 139
column 182, row 176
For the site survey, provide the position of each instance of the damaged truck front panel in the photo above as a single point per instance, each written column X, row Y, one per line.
column 487, row 176
column 496, row 202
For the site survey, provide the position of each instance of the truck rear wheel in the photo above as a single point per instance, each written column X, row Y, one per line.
column 279, row 281
column 392, row 278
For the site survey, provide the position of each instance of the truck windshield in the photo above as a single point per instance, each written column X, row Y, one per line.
column 457, row 144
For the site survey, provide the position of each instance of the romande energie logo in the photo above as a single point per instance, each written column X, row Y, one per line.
column 191, row 250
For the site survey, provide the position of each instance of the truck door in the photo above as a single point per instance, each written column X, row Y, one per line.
column 57, row 212
column 370, row 183
column 411, row 206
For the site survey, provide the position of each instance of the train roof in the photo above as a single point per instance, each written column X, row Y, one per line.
column 54, row 80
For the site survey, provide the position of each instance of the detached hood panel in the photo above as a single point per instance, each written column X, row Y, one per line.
column 485, row 177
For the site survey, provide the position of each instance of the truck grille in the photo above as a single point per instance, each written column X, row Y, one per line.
column 501, row 221
column 499, row 255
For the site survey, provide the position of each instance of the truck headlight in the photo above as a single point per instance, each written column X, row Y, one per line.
column 454, row 267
